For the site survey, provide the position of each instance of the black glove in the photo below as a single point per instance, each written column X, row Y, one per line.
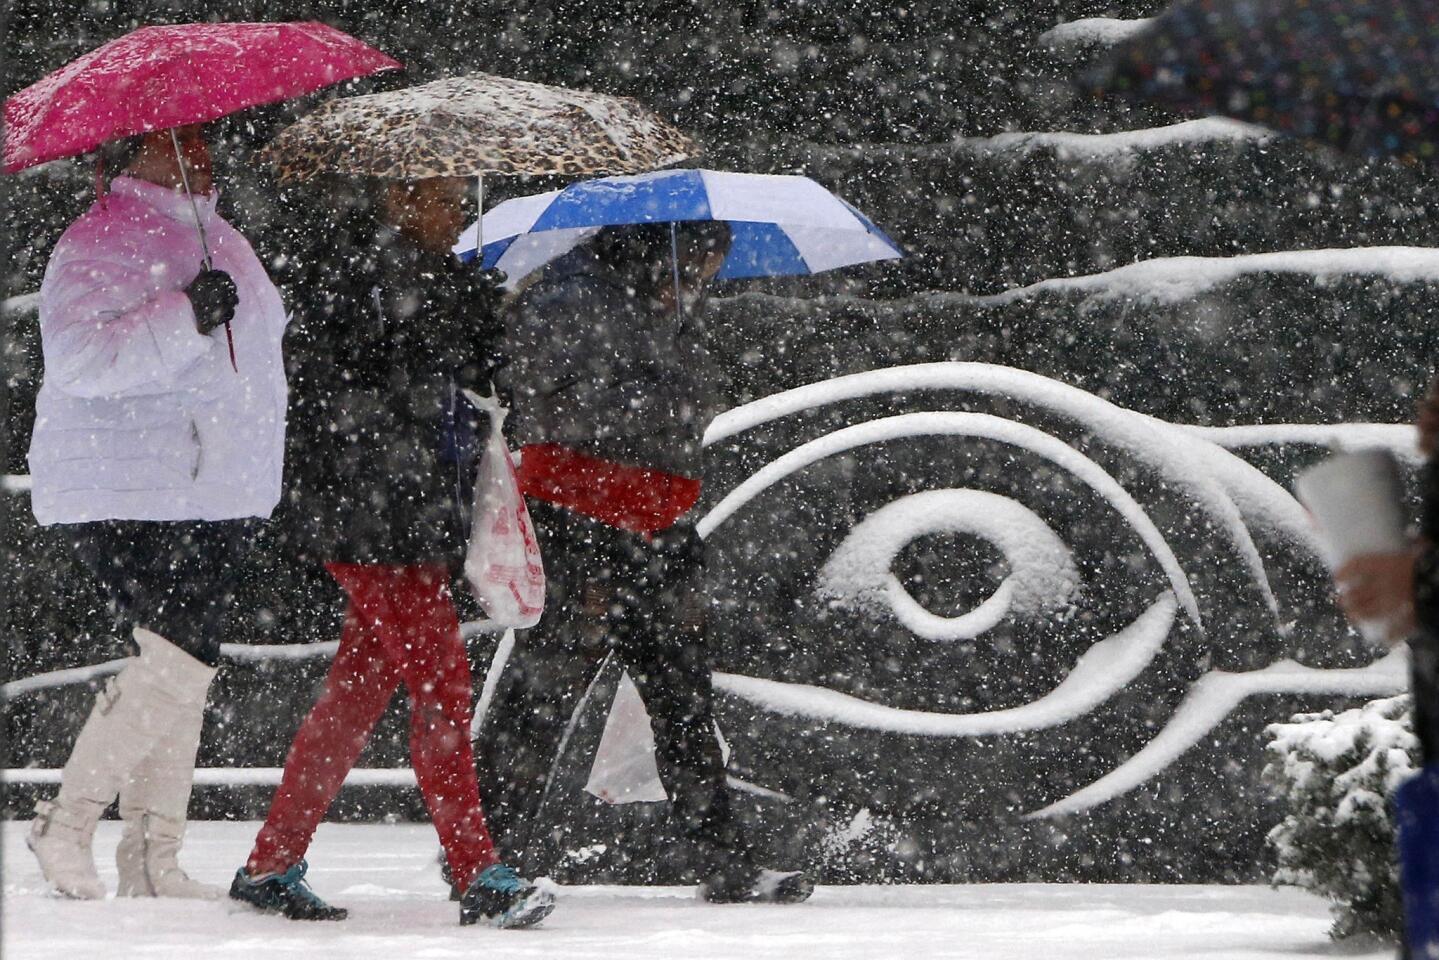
column 214, row 297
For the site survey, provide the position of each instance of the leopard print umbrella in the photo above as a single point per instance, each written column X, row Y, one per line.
column 472, row 125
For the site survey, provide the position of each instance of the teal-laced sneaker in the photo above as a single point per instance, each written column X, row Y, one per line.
column 284, row 893
column 502, row 898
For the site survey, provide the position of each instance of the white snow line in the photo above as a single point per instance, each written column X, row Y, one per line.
column 239, row 652
column 25, row 303
column 1212, row 698
column 1101, row 671
column 1185, row 462
column 1104, row 31
column 1399, row 438
column 59, row 678
column 1042, row 578
column 238, row 776
column 1174, row 279
column 14, row 483
column 1123, row 144
column 503, row 649
column 754, row 789
column 1118, row 148
column 1257, row 495
column 265, row 652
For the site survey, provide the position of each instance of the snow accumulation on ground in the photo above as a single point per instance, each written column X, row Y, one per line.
column 386, row 876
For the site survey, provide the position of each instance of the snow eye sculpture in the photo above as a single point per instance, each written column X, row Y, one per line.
column 1140, row 580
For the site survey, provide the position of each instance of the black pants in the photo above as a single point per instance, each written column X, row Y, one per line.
column 643, row 600
column 175, row 579
column 1424, row 682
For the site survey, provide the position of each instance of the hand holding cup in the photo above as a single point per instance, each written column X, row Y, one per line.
column 1378, row 589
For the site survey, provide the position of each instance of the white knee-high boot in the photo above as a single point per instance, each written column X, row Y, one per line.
column 154, row 803
column 161, row 689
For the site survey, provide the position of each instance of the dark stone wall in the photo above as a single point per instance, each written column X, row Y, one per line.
column 883, row 102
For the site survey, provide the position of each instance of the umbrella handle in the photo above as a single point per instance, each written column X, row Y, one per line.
column 194, row 207
column 675, row 269
column 480, row 218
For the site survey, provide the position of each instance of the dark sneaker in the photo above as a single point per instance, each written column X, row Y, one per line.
column 746, row 883
column 501, row 898
column 284, row 893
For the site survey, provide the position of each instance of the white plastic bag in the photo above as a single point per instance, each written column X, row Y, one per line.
column 624, row 769
column 502, row 562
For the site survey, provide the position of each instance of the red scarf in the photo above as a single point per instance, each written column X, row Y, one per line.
column 636, row 499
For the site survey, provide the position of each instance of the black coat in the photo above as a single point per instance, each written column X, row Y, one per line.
column 384, row 337
column 595, row 367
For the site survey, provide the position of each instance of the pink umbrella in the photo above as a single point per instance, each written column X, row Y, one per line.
column 159, row 78
column 164, row 77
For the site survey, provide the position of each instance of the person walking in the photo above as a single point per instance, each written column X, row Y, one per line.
column 158, row 447
column 612, row 387
column 391, row 329
column 1401, row 590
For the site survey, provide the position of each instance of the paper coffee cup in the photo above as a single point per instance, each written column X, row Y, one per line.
column 1357, row 501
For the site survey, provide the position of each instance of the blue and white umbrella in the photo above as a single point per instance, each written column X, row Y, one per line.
column 781, row 225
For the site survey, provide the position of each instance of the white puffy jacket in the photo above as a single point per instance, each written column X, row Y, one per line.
column 140, row 417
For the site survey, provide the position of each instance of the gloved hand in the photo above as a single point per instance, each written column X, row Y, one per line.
column 214, row 297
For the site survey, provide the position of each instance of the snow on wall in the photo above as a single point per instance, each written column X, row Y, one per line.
column 503, row 649
column 1199, row 460
column 1185, row 463
column 1212, row 698
column 1121, row 145
column 25, row 303
column 1175, row 279
column 1116, row 148
column 1092, row 31
column 59, row 678
column 1042, row 578
column 966, row 425
column 1099, row 673
column 1401, row 439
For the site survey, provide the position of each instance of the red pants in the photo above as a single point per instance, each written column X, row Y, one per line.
column 400, row 627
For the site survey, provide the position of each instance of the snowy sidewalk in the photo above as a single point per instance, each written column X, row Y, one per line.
column 386, row 875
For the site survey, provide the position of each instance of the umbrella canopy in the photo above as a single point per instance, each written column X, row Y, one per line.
column 1360, row 75
column 781, row 225
column 163, row 77
column 476, row 124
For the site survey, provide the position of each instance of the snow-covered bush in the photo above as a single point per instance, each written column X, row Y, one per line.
column 1337, row 773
